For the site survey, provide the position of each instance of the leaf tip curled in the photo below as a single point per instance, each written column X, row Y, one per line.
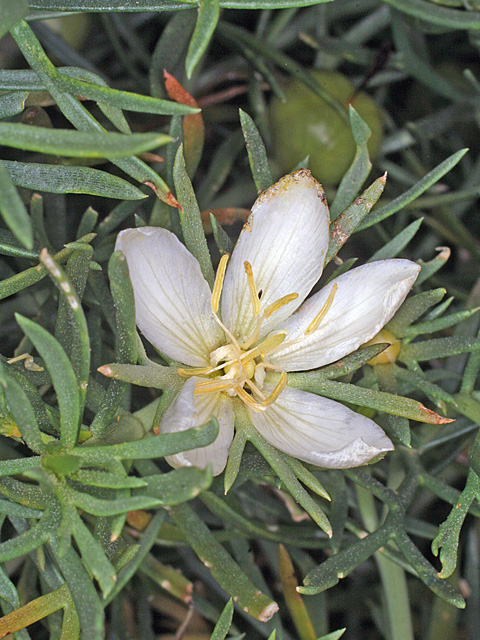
column 434, row 418
column 268, row 612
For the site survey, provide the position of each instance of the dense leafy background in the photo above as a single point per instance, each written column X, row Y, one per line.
column 96, row 138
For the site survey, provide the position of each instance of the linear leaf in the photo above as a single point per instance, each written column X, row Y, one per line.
column 78, row 144
column 208, row 13
column 12, row 103
column 62, row 375
column 420, row 187
column 100, row 507
column 224, row 569
column 22, row 411
column 257, row 154
column 190, row 218
column 159, row 446
column 379, row 400
column 13, row 210
column 57, row 179
column 176, row 486
column 360, row 168
column 398, row 243
column 349, row 220
column 76, row 113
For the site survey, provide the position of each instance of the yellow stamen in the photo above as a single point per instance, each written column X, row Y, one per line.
column 219, row 278
column 213, row 386
column 275, row 306
column 264, row 348
column 282, row 383
column 200, row 371
column 253, row 289
column 248, row 400
column 323, row 311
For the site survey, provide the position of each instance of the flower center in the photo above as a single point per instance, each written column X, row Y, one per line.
column 239, row 368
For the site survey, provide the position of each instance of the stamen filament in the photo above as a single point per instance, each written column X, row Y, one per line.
column 265, row 348
column 252, row 287
column 200, row 371
column 218, row 284
column 282, row 383
column 213, row 386
column 248, row 400
column 323, row 311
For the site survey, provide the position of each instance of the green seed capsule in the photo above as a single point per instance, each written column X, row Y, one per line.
column 306, row 125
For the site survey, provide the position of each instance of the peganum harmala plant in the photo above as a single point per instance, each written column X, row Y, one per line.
column 93, row 520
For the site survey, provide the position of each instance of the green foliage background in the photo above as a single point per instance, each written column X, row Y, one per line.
column 99, row 537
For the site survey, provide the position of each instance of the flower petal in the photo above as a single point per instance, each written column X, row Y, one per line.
column 172, row 298
column 320, row 431
column 188, row 411
column 285, row 240
column 366, row 299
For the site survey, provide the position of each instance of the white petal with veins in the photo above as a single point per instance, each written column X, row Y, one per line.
column 172, row 298
column 188, row 411
column 285, row 240
column 367, row 297
column 320, row 431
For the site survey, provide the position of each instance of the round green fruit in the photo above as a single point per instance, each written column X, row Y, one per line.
column 306, row 125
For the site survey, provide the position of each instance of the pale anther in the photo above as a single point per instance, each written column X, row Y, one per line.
column 219, row 278
column 275, row 306
column 252, row 287
column 323, row 311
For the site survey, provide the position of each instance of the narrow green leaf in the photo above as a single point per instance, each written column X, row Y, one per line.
column 441, row 16
column 71, row 321
column 57, row 179
column 208, row 13
column 12, row 103
column 159, row 446
column 448, row 537
column 19, row 281
column 33, row 538
column 379, row 400
column 224, row 569
column 358, row 171
column 222, row 239
column 426, row 572
column 329, row 573
column 19, row 465
column 94, row 557
column 22, row 412
column 190, row 218
column 412, row 309
column 78, row 144
column 148, row 539
column 62, row 375
column 107, row 480
column 100, row 507
column 438, row 348
column 13, row 210
column 257, row 154
column 420, row 187
column 164, row 5
column 398, row 243
column 177, row 486
column 348, row 221
column 88, row 606
column 430, row 326
column 11, row 13
column 76, row 113
column 224, row 622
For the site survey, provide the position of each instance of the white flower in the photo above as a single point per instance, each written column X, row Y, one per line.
column 231, row 340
